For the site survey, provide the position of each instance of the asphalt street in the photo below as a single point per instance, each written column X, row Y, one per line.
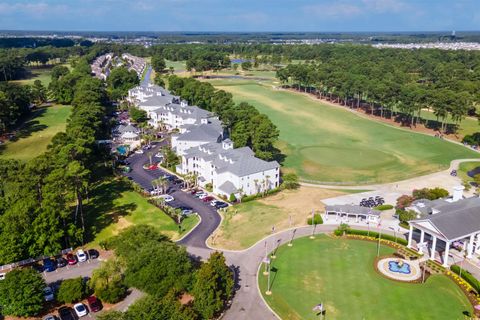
column 210, row 219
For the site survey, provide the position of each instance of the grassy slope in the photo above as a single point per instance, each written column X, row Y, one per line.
column 36, row 133
column 115, row 206
column 329, row 144
column 340, row 274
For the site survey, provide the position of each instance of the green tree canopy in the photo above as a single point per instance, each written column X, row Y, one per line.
column 21, row 293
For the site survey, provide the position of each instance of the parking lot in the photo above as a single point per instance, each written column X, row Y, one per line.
column 210, row 219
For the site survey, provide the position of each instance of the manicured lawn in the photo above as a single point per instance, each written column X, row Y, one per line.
column 115, row 206
column 340, row 274
column 468, row 125
column 329, row 144
column 246, row 223
column 36, row 133
column 42, row 74
column 177, row 65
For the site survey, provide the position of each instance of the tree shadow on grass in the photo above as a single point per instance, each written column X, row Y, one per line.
column 101, row 209
column 30, row 126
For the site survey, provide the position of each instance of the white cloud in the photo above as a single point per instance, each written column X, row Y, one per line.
column 381, row 6
column 33, row 10
column 335, row 10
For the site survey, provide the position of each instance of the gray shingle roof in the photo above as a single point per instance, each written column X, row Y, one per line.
column 158, row 101
column 456, row 219
column 228, row 187
column 249, row 165
column 203, row 132
column 352, row 209
column 127, row 128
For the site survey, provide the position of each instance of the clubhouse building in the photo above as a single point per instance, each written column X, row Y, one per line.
column 203, row 146
column 445, row 224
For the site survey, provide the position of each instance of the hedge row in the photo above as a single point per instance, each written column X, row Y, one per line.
column 467, row 276
column 372, row 234
column 259, row 195
column 383, row 207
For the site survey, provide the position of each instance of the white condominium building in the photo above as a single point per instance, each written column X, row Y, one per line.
column 200, row 143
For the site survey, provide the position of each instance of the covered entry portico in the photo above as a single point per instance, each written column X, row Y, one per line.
column 442, row 231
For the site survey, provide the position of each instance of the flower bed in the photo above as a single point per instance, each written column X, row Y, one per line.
column 469, row 291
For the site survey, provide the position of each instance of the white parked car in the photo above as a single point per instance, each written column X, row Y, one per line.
column 159, row 155
column 48, row 294
column 81, row 255
column 203, row 195
column 213, row 203
column 80, row 310
column 139, row 151
column 168, row 198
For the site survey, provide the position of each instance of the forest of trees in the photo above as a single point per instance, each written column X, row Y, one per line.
column 247, row 126
column 393, row 82
column 42, row 200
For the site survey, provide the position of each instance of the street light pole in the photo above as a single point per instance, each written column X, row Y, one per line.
column 268, row 281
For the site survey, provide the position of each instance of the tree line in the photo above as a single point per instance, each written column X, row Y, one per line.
column 149, row 261
column 393, row 83
column 42, row 200
column 246, row 125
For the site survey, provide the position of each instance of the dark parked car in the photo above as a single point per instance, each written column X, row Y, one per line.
column 49, row 265
column 61, row 262
column 220, row 205
column 66, row 313
column 94, row 304
column 93, row 254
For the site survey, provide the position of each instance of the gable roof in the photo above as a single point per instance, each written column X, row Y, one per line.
column 456, row 219
column 203, row 132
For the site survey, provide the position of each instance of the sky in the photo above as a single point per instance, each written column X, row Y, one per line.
column 240, row 15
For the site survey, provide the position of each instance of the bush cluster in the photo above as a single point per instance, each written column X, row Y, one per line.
column 467, row 276
column 383, row 207
column 317, row 219
column 373, row 234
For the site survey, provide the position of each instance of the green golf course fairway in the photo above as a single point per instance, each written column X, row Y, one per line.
column 339, row 273
column 325, row 144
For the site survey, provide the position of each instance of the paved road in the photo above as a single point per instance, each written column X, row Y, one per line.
column 210, row 219
column 247, row 303
column 81, row 269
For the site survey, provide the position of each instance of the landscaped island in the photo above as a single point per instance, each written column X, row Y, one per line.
column 340, row 274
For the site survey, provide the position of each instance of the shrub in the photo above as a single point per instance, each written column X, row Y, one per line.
column 383, row 207
column 232, row 198
column 209, row 187
column 290, row 181
column 317, row 219
column 405, row 216
column 467, row 276
column 71, row 290
column 404, row 201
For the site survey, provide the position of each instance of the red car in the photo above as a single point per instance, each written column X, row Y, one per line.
column 208, row 199
column 71, row 259
column 94, row 304
column 153, row 167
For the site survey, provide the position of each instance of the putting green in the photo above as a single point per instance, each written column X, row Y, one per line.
column 327, row 144
column 339, row 273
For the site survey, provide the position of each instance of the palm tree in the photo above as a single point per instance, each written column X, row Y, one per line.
column 150, row 155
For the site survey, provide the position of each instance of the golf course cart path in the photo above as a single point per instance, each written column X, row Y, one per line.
column 432, row 177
